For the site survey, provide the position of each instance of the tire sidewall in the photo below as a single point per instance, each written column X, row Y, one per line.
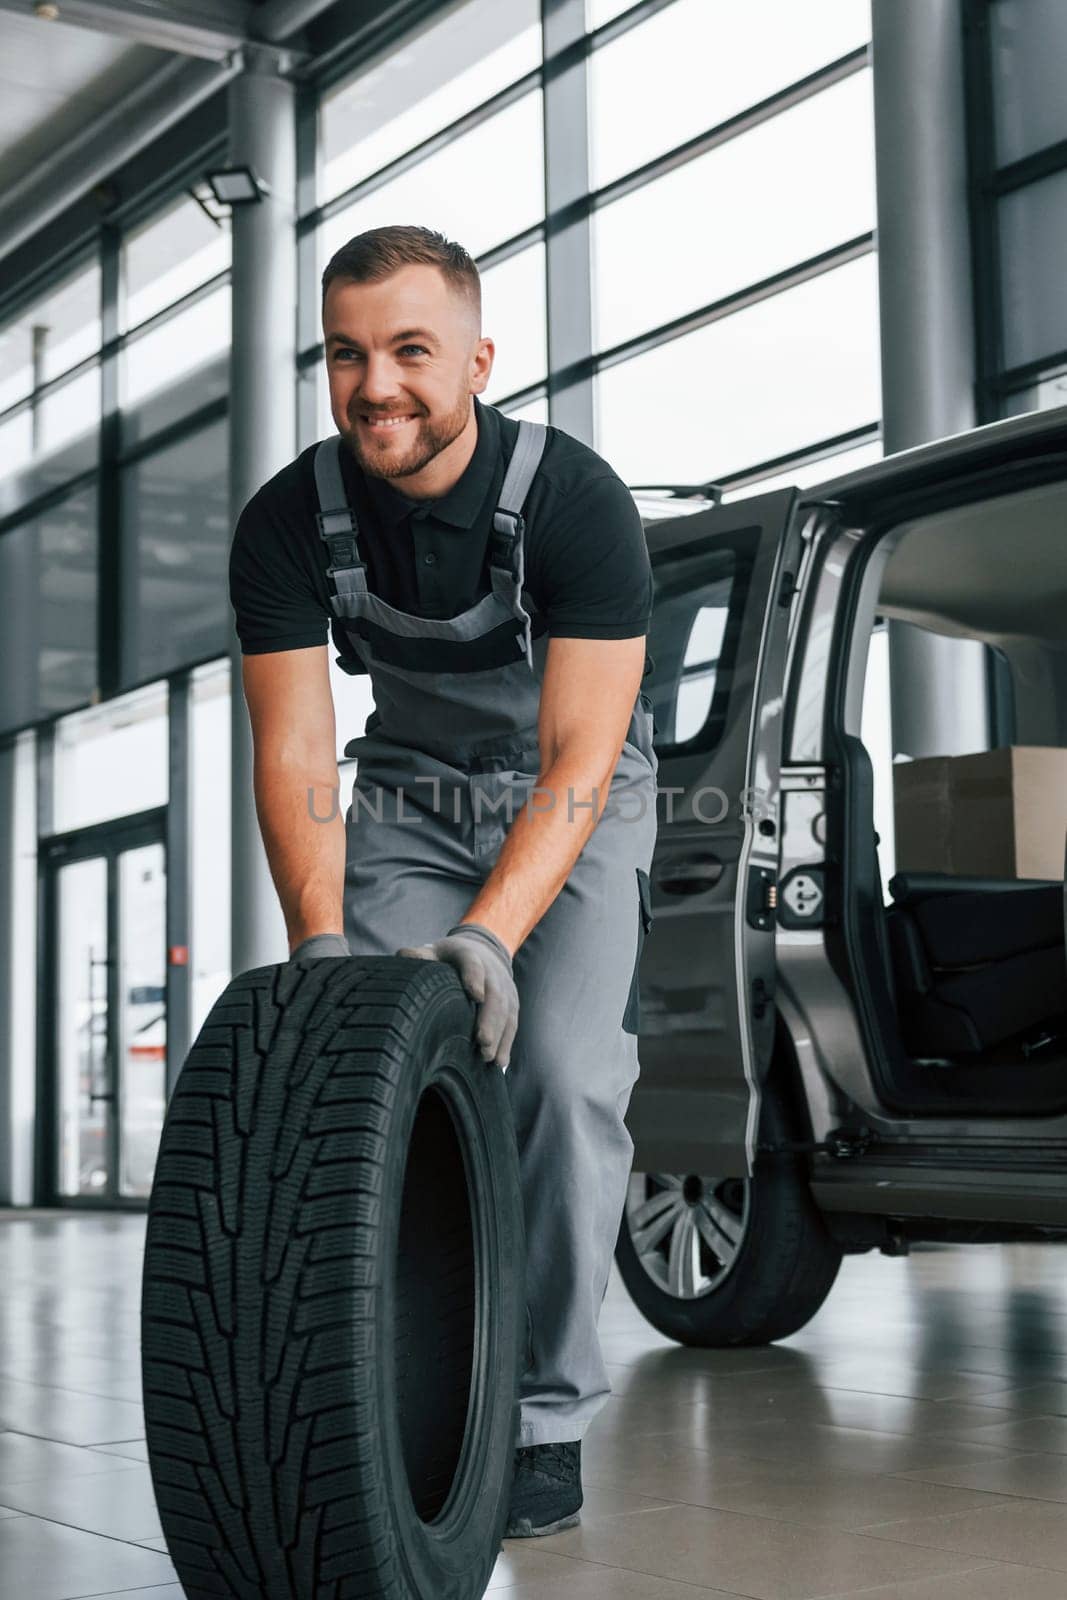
column 467, row 1533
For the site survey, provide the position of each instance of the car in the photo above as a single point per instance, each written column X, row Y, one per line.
column 837, row 1057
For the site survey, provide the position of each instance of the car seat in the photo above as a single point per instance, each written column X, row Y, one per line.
column 976, row 961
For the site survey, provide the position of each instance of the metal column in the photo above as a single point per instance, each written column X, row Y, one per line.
column 262, row 431
column 18, row 969
column 568, row 252
column 939, row 685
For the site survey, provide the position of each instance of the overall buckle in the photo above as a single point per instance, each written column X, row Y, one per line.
column 338, row 530
column 508, row 527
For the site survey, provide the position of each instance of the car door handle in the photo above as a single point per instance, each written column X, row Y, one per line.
column 691, row 876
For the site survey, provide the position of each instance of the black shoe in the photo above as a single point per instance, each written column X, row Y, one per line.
column 546, row 1492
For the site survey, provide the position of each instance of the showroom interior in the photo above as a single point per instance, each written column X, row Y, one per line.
column 744, row 245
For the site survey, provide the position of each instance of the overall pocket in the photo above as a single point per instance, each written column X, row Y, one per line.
column 631, row 1021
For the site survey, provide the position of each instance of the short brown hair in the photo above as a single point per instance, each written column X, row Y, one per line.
column 376, row 254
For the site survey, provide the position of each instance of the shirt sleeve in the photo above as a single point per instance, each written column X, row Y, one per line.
column 595, row 574
column 274, row 591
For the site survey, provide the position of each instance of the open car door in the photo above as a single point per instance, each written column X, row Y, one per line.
column 725, row 586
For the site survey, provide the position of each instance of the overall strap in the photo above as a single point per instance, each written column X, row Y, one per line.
column 507, row 560
column 508, row 524
column 336, row 520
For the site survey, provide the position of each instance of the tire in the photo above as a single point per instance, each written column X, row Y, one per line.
column 767, row 1269
column 333, row 1312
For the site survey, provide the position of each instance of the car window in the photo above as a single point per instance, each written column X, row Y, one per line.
column 691, row 642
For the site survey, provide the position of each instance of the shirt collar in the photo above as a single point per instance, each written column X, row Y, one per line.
column 461, row 505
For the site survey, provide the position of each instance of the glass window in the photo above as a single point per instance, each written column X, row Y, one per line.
column 52, row 438
column 325, row 424
column 175, row 367
column 533, row 411
column 789, row 189
column 422, row 85
column 209, row 835
column 876, row 731
column 142, row 1016
column 111, row 760
column 659, row 505
column 513, row 316
column 50, row 336
column 700, row 666
column 820, row 471
column 48, row 577
column 696, row 598
column 597, row 12
column 480, row 190
column 20, row 963
column 169, row 256
column 353, row 703
column 1029, row 47
column 1049, row 390
column 799, row 367
column 1033, row 248
column 16, row 450
column 722, row 57
column 175, row 509
column 81, row 1026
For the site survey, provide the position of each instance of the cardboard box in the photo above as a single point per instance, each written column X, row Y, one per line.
column 995, row 814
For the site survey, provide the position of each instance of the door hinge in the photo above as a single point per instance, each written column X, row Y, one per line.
column 787, row 588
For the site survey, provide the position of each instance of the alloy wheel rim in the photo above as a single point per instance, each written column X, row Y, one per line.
column 687, row 1230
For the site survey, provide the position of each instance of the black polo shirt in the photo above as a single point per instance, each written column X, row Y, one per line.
column 587, row 568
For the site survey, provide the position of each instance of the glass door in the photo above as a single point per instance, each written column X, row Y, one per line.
column 105, row 1045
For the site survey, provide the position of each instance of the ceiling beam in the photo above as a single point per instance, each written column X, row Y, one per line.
column 209, row 31
column 170, row 93
column 161, row 100
column 277, row 20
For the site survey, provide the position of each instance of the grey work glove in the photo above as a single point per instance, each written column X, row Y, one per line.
column 484, row 967
column 320, row 944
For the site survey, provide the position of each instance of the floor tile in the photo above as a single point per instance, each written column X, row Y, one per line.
column 1037, row 1477
column 589, row 1582
column 1045, row 1399
column 119, row 1504
column 166, row 1591
column 66, row 1414
column 998, row 1582
column 747, row 1555
column 24, row 1457
column 1017, row 1531
column 49, row 1561
column 1023, row 1434
column 811, row 1495
column 131, row 1449
column 853, row 1449
column 526, row 1561
column 910, row 1443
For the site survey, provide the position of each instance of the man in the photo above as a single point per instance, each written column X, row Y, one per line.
column 505, row 652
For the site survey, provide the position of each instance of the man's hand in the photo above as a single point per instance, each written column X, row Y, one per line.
column 319, row 944
column 484, row 965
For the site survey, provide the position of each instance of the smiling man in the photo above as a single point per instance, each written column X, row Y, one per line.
column 492, row 577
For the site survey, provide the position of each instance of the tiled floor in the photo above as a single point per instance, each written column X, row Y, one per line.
column 910, row 1444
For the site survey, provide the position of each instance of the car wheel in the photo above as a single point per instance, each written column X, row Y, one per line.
column 726, row 1261
column 333, row 1304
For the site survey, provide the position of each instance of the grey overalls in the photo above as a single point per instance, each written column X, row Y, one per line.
column 411, row 875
